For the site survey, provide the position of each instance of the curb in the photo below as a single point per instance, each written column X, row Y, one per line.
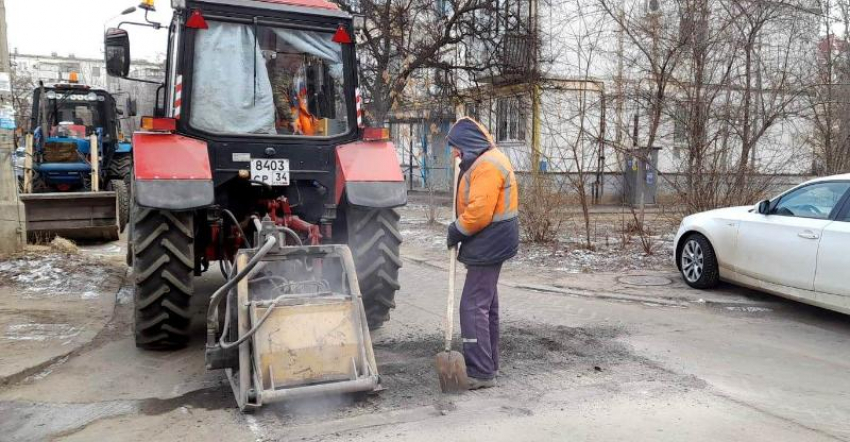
column 112, row 285
column 589, row 294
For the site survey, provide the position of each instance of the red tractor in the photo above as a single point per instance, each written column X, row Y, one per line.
column 257, row 123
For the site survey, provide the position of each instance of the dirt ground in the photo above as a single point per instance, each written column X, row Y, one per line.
column 593, row 348
column 51, row 304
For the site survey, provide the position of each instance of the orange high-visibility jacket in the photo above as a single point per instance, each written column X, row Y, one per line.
column 487, row 193
column 487, row 227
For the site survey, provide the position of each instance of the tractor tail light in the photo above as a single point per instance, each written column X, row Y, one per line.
column 154, row 124
column 376, row 134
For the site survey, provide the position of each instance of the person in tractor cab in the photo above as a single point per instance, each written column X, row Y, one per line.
column 487, row 229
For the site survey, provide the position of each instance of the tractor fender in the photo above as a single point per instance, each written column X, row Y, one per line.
column 171, row 172
column 369, row 175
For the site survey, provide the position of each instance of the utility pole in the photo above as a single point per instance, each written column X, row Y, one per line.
column 535, row 91
column 618, row 79
column 12, row 233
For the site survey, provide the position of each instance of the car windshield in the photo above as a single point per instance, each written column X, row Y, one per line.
column 273, row 81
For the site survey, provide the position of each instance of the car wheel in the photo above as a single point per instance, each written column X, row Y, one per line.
column 698, row 263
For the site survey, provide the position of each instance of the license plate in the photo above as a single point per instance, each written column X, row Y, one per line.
column 271, row 172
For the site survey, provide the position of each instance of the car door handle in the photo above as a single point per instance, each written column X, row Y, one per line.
column 808, row 235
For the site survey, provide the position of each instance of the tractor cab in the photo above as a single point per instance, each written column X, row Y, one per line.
column 76, row 168
column 66, row 118
column 280, row 81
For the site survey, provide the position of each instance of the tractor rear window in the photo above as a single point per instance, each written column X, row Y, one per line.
column 274, row 81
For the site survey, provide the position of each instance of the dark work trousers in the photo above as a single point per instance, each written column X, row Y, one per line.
column 479, row 321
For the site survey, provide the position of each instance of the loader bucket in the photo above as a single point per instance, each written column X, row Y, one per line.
column 311, row 336
column 73, row 215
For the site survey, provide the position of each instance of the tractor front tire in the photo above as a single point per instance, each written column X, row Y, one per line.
column 162, row 246
column 121, row 167
column 374, row 240
column 122, row 195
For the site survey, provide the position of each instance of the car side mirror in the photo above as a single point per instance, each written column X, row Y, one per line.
column 117, row 52
column 764, row 207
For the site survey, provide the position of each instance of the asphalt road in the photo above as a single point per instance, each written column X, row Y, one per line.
column 574, row 368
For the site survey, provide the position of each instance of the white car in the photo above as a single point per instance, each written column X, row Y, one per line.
column 796, row 245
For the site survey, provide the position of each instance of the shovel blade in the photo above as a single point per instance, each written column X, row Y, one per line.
column 451, row 368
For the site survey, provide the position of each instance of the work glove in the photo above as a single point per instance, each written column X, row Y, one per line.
column 453, row 237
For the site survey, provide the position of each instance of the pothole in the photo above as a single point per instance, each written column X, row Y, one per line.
column 535, row 358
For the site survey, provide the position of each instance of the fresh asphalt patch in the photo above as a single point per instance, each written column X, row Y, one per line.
column 535, row 359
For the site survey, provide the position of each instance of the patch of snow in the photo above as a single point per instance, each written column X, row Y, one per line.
column 125, row 295
column 39, row 332
column 54, row 275
column 90, row 295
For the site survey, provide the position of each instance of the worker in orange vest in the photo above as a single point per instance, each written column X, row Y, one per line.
column 487, row 229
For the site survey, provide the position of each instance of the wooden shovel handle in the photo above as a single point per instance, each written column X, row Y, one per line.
column 450, row 305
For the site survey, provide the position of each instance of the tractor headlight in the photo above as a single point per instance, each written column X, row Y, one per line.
column 91, row 96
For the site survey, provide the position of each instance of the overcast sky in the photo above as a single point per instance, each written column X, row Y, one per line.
column 76, row 27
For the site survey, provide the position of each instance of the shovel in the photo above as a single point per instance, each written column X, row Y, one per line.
column 451, row 367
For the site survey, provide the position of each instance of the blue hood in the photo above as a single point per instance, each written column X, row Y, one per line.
column 471, row 138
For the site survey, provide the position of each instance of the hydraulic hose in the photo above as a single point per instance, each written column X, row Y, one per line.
column 259, row 226
column 228, row 345
column 215, row 299
column 224, row 290
column 236, row 223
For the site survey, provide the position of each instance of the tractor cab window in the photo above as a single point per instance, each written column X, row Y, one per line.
column 74, row 115
column 268, row 81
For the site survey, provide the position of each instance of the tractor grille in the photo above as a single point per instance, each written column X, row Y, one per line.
column 61, row 152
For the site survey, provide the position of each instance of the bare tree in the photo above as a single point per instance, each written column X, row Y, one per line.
column 724, row 74
column 573, row 111
column 407, row 40
column 22, row 87
column 829, row 98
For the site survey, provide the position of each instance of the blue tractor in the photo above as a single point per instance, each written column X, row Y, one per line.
column 78, row 181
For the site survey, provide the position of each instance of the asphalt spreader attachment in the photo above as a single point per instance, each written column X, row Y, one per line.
column 289, row 323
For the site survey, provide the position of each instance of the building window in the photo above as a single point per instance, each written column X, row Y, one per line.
column 510, row 119
column 472, row 111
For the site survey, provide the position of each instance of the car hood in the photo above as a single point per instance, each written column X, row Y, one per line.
column 725, row 213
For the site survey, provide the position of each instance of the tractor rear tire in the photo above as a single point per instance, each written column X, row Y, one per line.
column 162, row 245
column 374, row 239
column 122, row 195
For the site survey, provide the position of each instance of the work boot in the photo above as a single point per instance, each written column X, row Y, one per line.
column 476, row 384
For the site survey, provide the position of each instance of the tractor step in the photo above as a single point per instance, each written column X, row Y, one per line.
column 72, row 215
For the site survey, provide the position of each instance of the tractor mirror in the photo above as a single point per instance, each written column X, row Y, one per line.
column 117, row 52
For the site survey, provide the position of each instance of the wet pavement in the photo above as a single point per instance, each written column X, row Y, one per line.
column 575, row 366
